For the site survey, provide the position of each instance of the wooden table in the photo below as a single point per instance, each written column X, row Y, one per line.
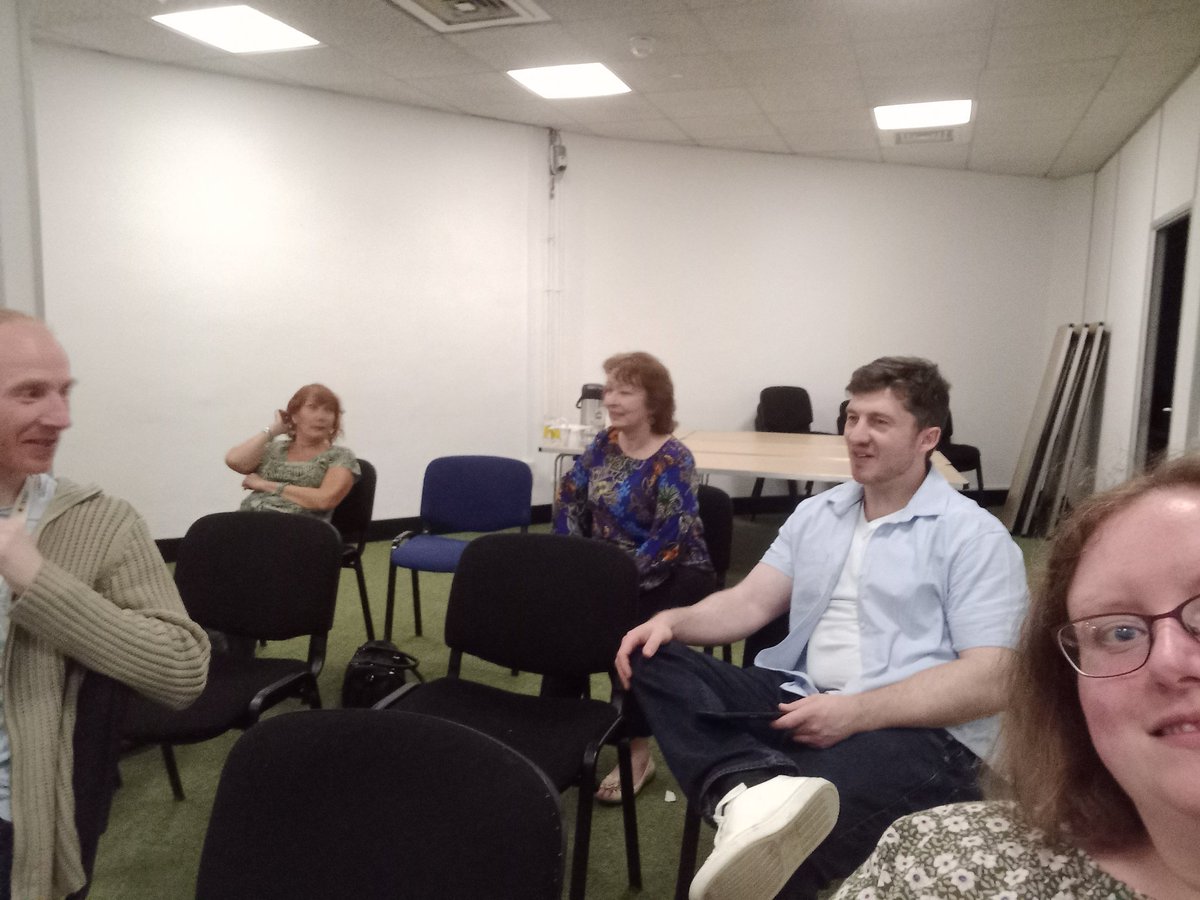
column 795, row 457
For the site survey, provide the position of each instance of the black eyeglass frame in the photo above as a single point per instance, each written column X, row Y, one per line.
column 1176, row 614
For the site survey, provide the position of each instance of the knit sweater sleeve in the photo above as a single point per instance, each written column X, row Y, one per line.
column 129, row 621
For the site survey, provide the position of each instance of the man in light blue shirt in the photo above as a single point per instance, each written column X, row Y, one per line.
column 904, row 599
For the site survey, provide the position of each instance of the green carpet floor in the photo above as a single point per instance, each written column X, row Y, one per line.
column 152, row 846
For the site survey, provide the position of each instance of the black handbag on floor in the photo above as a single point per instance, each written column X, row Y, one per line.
column 376, row 669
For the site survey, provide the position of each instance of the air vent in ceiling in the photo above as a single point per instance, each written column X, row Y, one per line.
column 449, row 16
column 924, row 136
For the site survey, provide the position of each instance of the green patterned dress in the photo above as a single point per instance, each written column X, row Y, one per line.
column 977, row 850
column 275, row 467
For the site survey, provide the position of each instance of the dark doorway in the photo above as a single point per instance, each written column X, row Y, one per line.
column 1162, row 339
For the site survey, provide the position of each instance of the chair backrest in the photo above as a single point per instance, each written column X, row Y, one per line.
column 841, row 419
column 542, row 603
column 476, row 493
column 768, row 636
column 784, row 409
column 99, row 711
column 267, row 575
column 352, row 517
column 716, row 514
column 947, row 431
column 379, row 804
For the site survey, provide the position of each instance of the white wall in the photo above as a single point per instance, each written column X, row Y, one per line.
column 1150, row 182
column 211, row 244
column 742, row 270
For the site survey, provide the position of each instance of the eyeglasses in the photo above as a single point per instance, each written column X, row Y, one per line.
column 1119, row 643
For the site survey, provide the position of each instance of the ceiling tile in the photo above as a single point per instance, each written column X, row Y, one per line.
column 784, row 24
column 704, row 128
column 1039, row 45
column 870, row 20
column 649, row 130
column 1081, row 76
column 932, row 53
column 718, row 101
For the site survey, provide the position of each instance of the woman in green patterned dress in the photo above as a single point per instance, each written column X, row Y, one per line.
column 307, row 473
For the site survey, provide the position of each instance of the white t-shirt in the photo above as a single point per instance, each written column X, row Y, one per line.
column 834, row 655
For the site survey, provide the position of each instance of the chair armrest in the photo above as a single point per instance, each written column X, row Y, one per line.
column 396, row 695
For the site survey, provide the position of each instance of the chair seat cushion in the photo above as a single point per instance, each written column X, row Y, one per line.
column 429, row 553
column 233, row 682
column 552, row 732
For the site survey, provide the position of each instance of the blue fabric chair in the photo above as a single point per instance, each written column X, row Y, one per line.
column 460, row 493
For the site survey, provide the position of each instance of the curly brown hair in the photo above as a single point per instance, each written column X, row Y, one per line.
column 646, row 372
column 1046, row 757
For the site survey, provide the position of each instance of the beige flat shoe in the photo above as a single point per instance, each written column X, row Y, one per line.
column 609, row 791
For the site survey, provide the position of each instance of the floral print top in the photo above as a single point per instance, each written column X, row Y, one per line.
column 274, row 466
column 978, row 850
column 647, row 507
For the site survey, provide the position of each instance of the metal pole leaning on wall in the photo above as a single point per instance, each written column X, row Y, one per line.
column 1053, row 455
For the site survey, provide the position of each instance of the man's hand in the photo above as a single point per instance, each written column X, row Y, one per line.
column 20, row 561
column 820, row 720
column 649, row 636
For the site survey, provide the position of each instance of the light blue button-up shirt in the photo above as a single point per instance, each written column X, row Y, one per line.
column 941, row 576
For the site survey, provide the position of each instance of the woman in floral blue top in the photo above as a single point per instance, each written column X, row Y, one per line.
column 635, row 486
column 1100, row 747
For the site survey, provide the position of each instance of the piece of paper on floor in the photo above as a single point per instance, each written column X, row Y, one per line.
column 669, row 797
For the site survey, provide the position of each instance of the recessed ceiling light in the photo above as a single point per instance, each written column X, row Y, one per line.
column 938, row 114
column 238, row 29
column 581, row 80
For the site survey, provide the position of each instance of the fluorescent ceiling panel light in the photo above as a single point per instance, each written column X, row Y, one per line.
column 938, row 114
column 238, row 29
column 560, row 82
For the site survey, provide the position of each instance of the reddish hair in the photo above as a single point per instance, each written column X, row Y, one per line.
column 645, row 371
column 322, row 396
column 1046, row 756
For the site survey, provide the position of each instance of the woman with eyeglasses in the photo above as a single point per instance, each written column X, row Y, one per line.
column 1101, row 744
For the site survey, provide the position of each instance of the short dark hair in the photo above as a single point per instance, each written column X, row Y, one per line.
column 915, row 381
column 646, row 372
column 1046, row 758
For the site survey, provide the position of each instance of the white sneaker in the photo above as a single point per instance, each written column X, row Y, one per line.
column 763, row 835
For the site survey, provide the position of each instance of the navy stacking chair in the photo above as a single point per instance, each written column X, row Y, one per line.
column 460, row 494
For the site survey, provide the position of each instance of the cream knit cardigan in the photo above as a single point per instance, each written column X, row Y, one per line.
column 105, row 601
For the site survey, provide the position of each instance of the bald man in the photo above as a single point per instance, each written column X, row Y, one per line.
column 82, row 589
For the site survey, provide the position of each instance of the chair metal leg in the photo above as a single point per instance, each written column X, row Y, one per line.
column 755, row 493
column 168, row 755
column 416, row 586
column 633, row 859
column 687, row 852
column 362, row 596
column 583, row 830
column 391, row 603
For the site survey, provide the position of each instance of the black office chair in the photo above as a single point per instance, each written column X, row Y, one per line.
column 556, row 606
column 841, row 419
column 352, row 519
column 964, row 457
column 257, row 576
column 460, row 493
column 768, row 636
column 99, row 711
column 379, row 806
column 716, row 515
column 783, row 409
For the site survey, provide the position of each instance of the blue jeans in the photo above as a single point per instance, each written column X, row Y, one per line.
column 880, row 775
